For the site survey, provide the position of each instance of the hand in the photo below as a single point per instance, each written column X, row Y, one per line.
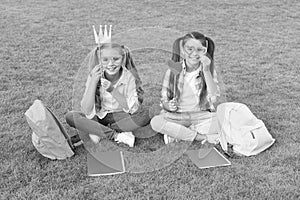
column 206, row 62
column 171, row 105
column 106, row 84
column 96, row 73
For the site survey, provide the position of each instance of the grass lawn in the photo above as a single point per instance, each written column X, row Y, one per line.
column 43, row 46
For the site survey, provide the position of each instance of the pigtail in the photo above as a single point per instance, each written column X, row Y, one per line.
column 210, row 47
column 177, row 48
column 128, row 62
column 93, row 60
column 130, row 65
column 173, row 91
column 210, row 53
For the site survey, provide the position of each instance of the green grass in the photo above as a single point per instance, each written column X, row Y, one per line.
column 43, row 44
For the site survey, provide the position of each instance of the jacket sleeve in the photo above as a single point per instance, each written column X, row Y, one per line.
column 212, row 98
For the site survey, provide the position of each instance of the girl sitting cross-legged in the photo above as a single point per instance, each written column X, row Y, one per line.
column 111, row 105
column 188, row 96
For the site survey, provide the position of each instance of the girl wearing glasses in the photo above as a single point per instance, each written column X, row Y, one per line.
column 112, row 102
column 188, row 96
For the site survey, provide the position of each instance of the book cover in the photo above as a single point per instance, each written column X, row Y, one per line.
column 105, row 163
column 206, row 158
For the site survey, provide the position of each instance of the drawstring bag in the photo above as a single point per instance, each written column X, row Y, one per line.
column 49, row 137
column 239, row 127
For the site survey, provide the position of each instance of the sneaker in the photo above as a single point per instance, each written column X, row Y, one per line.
column 169, row 139
column 94, row 138
column 126, row 138
column 76, row 141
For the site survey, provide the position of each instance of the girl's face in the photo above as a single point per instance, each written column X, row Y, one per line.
column 111, row 59
column 192, row 51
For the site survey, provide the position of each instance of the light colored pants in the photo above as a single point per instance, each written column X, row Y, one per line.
column 185, row 126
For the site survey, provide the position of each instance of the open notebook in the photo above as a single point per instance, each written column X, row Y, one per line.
column 206, row 158
column 105, row 163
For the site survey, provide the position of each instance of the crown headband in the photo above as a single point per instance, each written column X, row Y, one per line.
column 104, row 36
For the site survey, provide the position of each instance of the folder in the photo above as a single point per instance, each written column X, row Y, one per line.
column 105, row 163
column 206, row 158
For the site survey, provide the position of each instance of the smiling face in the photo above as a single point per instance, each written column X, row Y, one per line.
column 192, row 51
column 111, row 59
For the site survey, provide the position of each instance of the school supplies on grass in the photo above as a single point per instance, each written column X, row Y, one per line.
column 49, row 136
column 206, row 158
column 105, row 163
column 242, row 129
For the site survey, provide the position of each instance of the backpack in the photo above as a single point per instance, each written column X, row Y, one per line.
column 239, row 127
column 49, row 137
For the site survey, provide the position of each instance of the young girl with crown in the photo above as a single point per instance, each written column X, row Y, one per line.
column 112, row 102
column 188, row 94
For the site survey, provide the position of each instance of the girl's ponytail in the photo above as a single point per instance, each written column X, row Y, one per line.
column 130, row 65
column 92, row 62
column 210, row 47
column 128, row 61
column 177, row 45
column 93, row 59
column 173, row 79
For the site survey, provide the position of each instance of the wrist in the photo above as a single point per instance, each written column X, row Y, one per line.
column 93, row 84
column 94, row 81
column 164, row 105
column 167, row 108
column 205, row 71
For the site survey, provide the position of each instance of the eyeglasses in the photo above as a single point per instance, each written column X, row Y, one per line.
column 114, row 60
column 189, row 50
